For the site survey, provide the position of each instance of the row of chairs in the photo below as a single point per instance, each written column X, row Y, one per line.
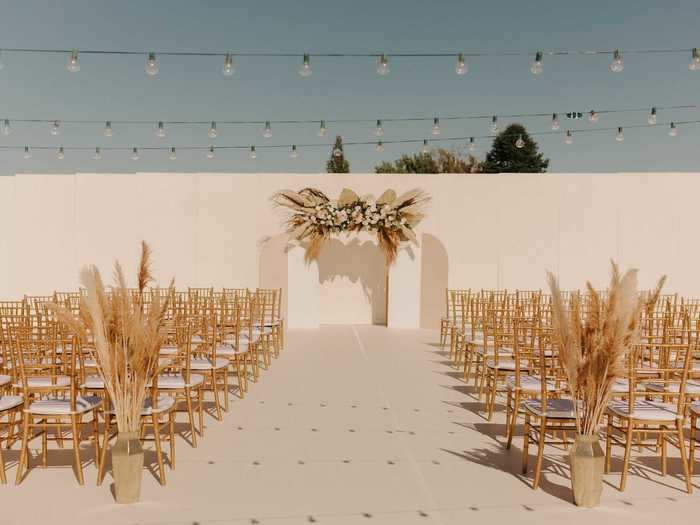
column 50, row 388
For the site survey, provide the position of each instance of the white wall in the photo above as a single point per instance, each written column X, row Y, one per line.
column 211, row 229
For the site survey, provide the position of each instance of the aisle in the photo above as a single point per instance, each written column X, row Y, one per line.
column 351, row 425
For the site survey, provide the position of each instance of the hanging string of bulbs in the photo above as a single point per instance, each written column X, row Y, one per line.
column 382, row 59
column 471, row 142
column 160, row 127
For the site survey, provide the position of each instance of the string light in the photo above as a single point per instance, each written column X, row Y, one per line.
column 212, row 130
column 151, row 65
column 172, row 155
column 673, row 130
column 617, row 64
column 210, row 153
column 294, row 153
column 305, row 69
column 6, row 127
column 61, row 154
column 425, row 150
column 436, row 126
column 569, row 138
column 379, row 130
column 108, row 129
column 55, row 127
column 98, row 154
column 652, row 117
column 267, row 133
column 620, row 137
column 383, row 65
column 73, row 64
column 494, row 124
column 536, row 67
column 472, row 145
column 228, row 69
column 592, row 116
column 27, row 155
column 555, row 122
column 160, row 130
column 380, row 146
column 253, row 153
column 694, row 60
column 322, row 129
column 134, row 154
column 461, row 66
column 520, row 143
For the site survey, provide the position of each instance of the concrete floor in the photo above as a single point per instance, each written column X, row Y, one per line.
column 351, row 425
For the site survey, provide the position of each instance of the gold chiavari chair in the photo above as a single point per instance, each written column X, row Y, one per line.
column 205, row 362
column 230, row 343
column 10, row 409
column 498, row 364
column 659, row 412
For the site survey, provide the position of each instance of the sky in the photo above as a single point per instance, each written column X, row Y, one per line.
column 193, row 88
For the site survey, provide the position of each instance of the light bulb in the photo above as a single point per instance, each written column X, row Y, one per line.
column 494, row 124
column 134, row 154
column 305, row 69
column 108, row 129
column 520, row 143
column 569, row 138
column 61, row 154
column 172, row 155
column 294, row 153
column 673, row 130
column 652, row 117
column 73, row 64
column 425, row 150
column 617, row 63
column 98, row 154
column 268, row 130
column 55, row 127
column 555, row 122
column 436, row 126
column 620, row 137
column 380, row 146
column 160, row 130
column 212, row 130
column 27, row 155
column 151, row 64
column 337, row 152
column 322, row 129
column 379, row 130
column 6, row 127
column 253, row 153
column 536, row 67
column 210, row 153
column 694, row 60
column 383, row 65
column 228, row 68
column 461, row 66
column 472, row 145
column 592, row 116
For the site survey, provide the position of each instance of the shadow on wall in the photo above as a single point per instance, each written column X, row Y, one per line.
column 433, row 281
column 273, row 269
column 357, row 261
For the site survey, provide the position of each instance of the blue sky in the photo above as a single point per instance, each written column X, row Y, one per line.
column 38, row 86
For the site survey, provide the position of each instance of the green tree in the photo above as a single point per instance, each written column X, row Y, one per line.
column 337, row 162
column 506, row 157
column 436, row 161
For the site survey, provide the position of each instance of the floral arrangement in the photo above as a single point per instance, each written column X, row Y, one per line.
column 314, row 217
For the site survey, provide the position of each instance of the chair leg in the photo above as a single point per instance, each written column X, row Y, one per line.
column 74, row 422
column 3, row 477
column 96, row 438
column 239, row 378
column 171, row 432
column 226, row 392
column 608, row 446
column 540, row 452
column 526, row 442
column 664, row 455
column 159, row 452
column 513, row 418
column 691, row 452
column 24, row 453
column 626, row 462
column 219, row 415
column 190, row 415
column 105, row 444
column 200, row 409
column 681, row 446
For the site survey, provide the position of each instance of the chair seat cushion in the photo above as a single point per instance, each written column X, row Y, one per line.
column 691, row 387
column 204, row 363
column 504, row 363
column 10, row 402
column 555, row 408
column 620, row 385
column 56, row 406
column 89, row 362
column 170, row 381
column 45, row 382
column 695, row 409
column 645, row 410
column 228, row 349
column 163, row 404
column 530, row 383
column 168, row 350
column 93, row 382
column 5, row 380
column 490, row 351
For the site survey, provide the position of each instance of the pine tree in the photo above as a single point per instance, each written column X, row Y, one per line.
column 435, row 161
column 506, row 157
column 337, row 163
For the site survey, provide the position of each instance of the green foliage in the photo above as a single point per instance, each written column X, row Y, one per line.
column 437, row 161
column 338, row 164
column 505, row 157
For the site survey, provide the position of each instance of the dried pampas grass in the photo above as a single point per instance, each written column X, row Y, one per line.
column 593, row 344
column 126, row 337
